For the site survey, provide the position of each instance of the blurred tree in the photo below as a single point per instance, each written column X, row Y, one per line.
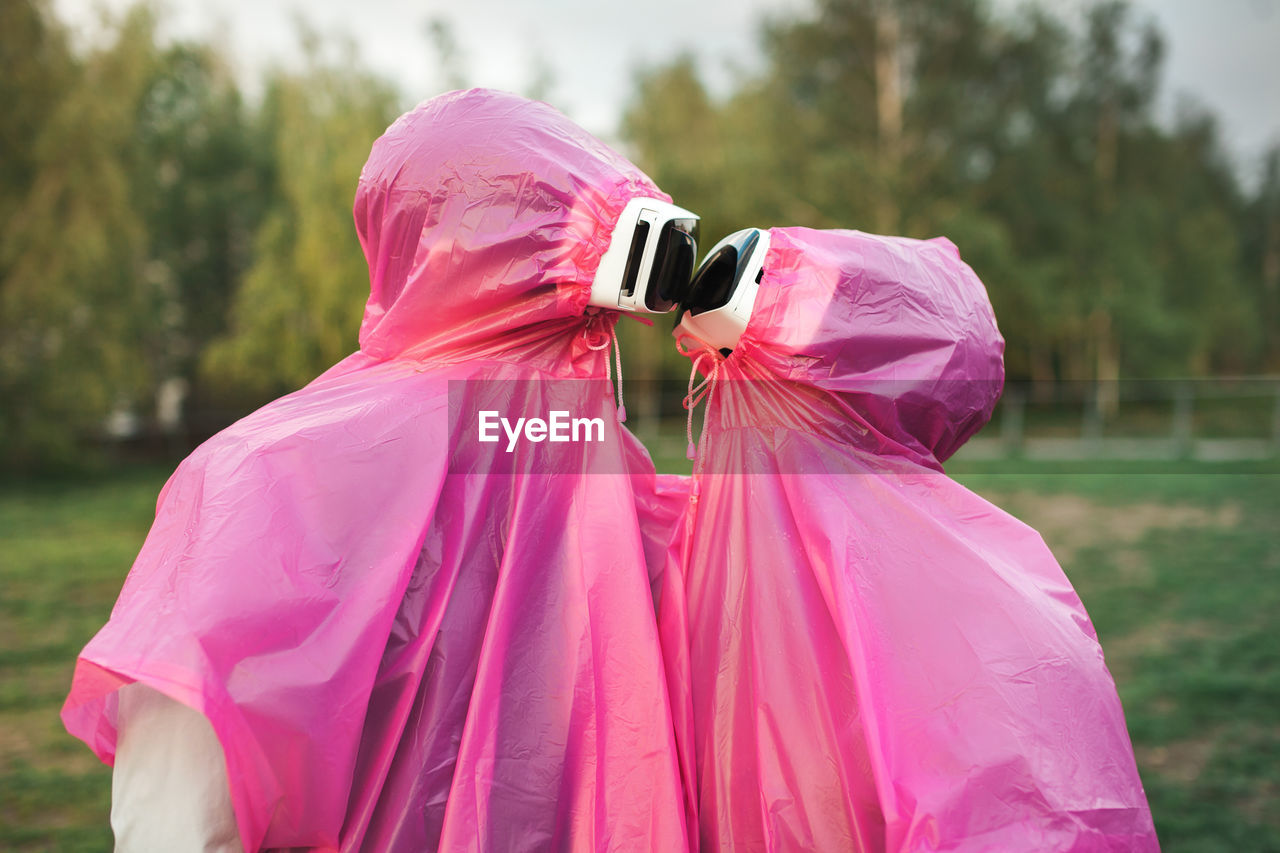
column 1138, row 220
column 886, row 116
column 71, row 245
column 1212, row 319
column 1108, row 243
column 199, row 185
column 299, row 306
column 1261, row 227
column 37, row 71
column 1115, row 281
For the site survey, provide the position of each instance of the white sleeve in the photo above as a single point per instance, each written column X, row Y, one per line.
column 169, row 787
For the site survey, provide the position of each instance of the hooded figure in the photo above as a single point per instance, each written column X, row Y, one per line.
column 864, row 654
column 404, row 635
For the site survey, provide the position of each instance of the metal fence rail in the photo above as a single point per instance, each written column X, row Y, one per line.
column 1218, row 419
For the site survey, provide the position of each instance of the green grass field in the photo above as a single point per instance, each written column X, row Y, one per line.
column 1179, row 565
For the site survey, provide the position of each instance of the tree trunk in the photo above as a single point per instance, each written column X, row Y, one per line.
column 888, row 82
column 1107, row 368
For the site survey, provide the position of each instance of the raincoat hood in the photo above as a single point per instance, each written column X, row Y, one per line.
column 899, row 332
column 482, row 213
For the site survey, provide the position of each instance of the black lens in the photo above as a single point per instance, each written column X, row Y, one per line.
column 715, row 281
column 672, row 266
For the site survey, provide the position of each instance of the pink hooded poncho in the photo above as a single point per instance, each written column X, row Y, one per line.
column 405, row 637
column 863, row 654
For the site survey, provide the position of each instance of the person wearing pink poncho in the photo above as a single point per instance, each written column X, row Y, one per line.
column 403, row 637
column 863, row 654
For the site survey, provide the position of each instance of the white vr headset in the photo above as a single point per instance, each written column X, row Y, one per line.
column 719, row 300
column 650, row 258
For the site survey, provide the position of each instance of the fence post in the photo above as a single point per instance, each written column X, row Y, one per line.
column 1183, row 419
column 1275, row 424
column 1091, row 429
column 1013, row 406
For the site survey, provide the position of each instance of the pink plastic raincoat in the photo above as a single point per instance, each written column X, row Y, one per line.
column 405, row 637
column 864, row 654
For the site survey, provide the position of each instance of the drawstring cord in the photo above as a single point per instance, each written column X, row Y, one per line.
column 605, row 342
column 704, row 390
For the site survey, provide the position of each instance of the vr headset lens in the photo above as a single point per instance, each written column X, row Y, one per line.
column 715, row 281
column 672, row 264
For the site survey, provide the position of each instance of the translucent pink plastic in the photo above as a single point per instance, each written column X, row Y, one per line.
column 864, row 655
column 398, row 648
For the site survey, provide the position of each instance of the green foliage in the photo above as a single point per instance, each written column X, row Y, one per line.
column 128, row 215
column 146, row 212
column 37, row 72
column 1109, row 243
column 1261, row 240
column 298, row 309
column 72, row 246
column 197, row 185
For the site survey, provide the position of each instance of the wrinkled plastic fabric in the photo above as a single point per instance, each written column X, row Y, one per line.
column 397, row 649
column 863, row 654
